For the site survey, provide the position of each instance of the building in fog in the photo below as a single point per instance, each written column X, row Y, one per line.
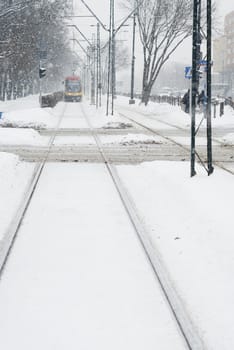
column 229, row 68
column 220, row 57
column 229, row 33
column 223, row 57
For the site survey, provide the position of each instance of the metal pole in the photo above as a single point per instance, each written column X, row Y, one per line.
column 84, row 78
column 132, row 101
column 113, row 58
column 94, row 67
column 194, row 84
column 92, row 72
column 208, row 106
column 40, row 97
column 99, row 65
column 88, row 73
column 109, row 61
column 97, row 68
column 40, row 93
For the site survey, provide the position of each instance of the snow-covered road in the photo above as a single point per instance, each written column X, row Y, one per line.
column 77, row 276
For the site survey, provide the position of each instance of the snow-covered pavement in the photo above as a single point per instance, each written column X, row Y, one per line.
column 59, row 289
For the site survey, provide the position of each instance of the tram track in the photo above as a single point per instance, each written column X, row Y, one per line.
column 220, row 158
column 187, row 329
column 134, row 219
column 185, row 325
column 124, row 154
column 10, row 236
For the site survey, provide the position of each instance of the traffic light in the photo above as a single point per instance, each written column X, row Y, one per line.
column 42, row 72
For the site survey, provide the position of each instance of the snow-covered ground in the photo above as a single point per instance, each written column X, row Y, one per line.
column 20, row 136
column 14, row 178
column 190, row 220
column 26, row 114
column 77, row 277
column 175, row 115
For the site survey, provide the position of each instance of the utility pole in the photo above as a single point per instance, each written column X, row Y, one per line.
column 40, row 88
column 132, row 101
column 113, row 73
column 208, row 106
column 99, row 67
column 111, row 79
column 109, row 59
column 195, row 79
column 84, row 78
column 88, row 83
column 93, row 70
column 111, row 46
column 197, row 64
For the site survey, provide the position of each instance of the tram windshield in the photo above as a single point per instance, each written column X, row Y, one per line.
column 73, row 86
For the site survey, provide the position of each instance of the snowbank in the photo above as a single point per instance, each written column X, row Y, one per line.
column 175, row 115
column 36, row 118
column 18, row 136
column 14, row 177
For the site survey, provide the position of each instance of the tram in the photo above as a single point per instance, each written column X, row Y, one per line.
column 73, row 89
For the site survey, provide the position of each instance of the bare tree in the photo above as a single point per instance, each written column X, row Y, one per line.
column 27, row 28
column 163, row 26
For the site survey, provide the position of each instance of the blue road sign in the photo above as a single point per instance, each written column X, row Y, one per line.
column 203, row 62
column 188, row 72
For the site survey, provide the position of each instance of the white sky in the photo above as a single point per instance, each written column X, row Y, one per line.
column 185, row 51
column 225, row 6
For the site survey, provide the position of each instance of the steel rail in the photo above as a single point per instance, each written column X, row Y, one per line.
column 185, row 325
column 11, row 233
column 154, row 132
column 172, row 125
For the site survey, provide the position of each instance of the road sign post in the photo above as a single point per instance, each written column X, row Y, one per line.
column 201, row 69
